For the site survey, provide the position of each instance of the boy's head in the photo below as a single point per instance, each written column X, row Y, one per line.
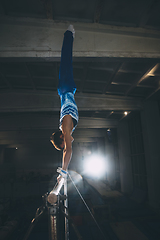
column 57, row 139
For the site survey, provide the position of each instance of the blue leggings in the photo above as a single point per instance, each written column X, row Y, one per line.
column 66, row 81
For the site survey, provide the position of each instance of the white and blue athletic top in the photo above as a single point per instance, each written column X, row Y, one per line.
column 68, row 107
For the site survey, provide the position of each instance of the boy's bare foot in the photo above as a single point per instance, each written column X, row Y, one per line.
column 71, row 28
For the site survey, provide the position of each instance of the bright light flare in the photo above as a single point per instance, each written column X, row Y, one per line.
column 95, row 166
column 75, row 176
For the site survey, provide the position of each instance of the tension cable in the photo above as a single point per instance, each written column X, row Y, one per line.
column 87, row 206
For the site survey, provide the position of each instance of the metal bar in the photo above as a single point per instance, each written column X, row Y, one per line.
column 66, row 207
column 53, row 213
column 52, row 197
column 53, row 227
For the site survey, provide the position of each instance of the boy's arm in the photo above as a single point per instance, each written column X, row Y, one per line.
column 67, row 127
column 67, row 152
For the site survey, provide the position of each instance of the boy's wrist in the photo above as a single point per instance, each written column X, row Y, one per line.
column 62, row 172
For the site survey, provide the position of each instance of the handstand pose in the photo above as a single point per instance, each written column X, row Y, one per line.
column 62, row 140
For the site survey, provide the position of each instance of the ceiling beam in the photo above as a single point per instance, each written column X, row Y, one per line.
column 140, row 78
column 43, row 122
column 48, row 8
column 42, row 136
column 29, row 76
column 114, row 73
column 43, row 39
column 49, row 101
column 148, row 8
column 98, row 10
column 17, row 138
column 4, row 78
column 84, row 76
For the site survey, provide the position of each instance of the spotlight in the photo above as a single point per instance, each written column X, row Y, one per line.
column 95, row 166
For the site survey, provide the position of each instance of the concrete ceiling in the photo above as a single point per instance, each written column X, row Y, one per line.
column 116, row 63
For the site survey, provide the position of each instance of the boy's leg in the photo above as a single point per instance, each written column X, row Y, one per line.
column 66, row 81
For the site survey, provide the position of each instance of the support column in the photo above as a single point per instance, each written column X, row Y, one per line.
column 125, row 158
column 109, row 149
column 151, row 136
